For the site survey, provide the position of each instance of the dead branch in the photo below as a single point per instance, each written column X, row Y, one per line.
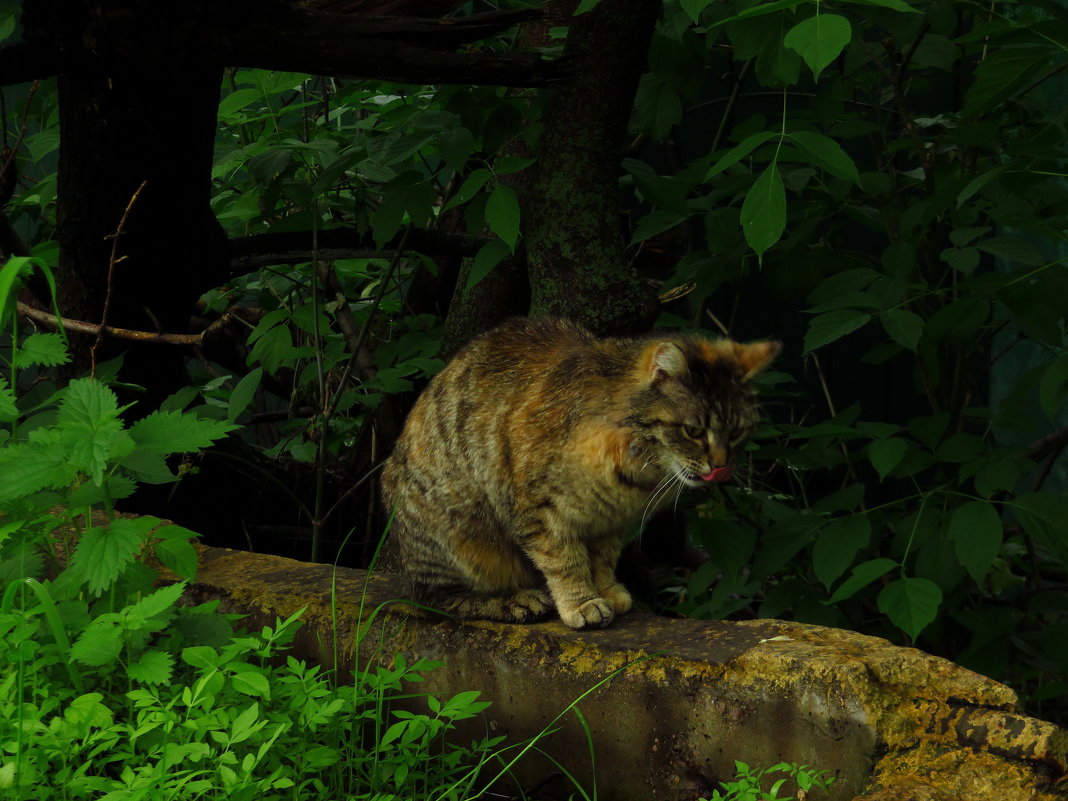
column 95, row 329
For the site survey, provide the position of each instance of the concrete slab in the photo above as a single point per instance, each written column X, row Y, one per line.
column 686, row 698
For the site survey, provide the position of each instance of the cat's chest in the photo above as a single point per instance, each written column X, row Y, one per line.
column 610, row 479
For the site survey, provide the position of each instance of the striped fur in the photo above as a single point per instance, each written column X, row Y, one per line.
column 527, row 459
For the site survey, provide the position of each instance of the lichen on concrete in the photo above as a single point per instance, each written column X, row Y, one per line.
column 679, row 700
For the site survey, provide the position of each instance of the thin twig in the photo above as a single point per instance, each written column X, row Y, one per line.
column 112, row 261
column 730, row 105
column 367, row 320
column 830, row 406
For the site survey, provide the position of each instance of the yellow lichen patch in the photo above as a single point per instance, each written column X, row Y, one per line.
column 960, row 774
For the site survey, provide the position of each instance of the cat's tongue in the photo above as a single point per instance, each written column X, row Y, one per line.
column 719, row 474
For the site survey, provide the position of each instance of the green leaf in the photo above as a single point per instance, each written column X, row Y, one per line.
column 979, row 182
column 833, row 325
column 147, row 612
column 489, row 256
column 655, row 223
column 896, row 5
column 269, row 164
column 1054, row 386
column 863, row 575
column 320, row 756
column 11, row 273
column 177, row 432
column 8, row 409
column 238, row 100
column 828, row 154
column 1043, row 515
column 819, row 40
column 903, row 326
column 502, row 214
column 456, row 145
column 253, row 684
column 694, row 7
column 470, row 187
column 760, row 10
column 1000, row 74
column 46, row 350
column 87, row 403
column 273, row 348
column 101, row 553
column 100, row 643
column 586, row 5
column 201, row 656
column 147, row 467
column 836, row 546
column 739, row 152
column 178, row 556
column 506, row 165
column 976, row 532
column 910, row 603
column 112, row 488
column 886, row 454
column 243, row 394
column 28, row 469
column 153, row 667
column 764, row 211
column 961, row 447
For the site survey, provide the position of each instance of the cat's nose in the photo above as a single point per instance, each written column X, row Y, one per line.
column 718, row 457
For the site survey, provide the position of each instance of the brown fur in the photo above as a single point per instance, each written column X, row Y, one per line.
column 529, row 456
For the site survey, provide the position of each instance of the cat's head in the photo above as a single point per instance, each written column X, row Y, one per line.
column 695, row 406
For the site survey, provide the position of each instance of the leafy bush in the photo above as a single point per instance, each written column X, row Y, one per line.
column 111, row 688
column 907, row 181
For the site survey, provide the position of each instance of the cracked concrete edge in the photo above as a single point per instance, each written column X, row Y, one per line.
column 940, row 730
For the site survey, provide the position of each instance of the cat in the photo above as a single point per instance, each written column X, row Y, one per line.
column 533, row 452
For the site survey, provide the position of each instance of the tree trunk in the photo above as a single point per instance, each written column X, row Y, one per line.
column 137, row 109
column 575, row 250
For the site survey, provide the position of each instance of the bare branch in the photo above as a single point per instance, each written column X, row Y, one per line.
column 301, row 39
column 93, row 329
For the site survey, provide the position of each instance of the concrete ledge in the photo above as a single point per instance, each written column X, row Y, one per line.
column 893, row 723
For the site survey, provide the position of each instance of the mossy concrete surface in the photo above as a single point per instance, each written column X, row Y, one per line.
column 685, row 699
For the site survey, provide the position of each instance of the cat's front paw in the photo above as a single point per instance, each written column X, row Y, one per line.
column 594, row 613
column 618, row 596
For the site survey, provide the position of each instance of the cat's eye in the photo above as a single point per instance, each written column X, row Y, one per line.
column 693, row 432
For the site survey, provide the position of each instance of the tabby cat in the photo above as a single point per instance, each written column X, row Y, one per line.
column 527, row 459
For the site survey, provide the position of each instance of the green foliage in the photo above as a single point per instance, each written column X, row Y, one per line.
column 891, row 171
column 749, row 783
column 904, row 176
column 181, row 704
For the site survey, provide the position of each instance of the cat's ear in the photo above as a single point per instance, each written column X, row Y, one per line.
column 755, row 356
column 668, row 362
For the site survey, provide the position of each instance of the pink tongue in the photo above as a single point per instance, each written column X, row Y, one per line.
column 719, row 474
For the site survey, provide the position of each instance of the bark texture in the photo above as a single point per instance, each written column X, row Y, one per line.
column 575, row 250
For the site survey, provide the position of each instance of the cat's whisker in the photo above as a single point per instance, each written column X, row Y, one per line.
column 680, row 484
column 662, row 486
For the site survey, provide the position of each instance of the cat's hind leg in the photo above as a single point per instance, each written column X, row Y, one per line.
column 522, row 606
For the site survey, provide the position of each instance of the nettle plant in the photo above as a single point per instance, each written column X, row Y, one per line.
column 901, row 166
column 110, row 687
column 762, row 784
